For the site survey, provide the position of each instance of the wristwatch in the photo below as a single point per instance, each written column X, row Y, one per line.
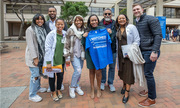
column 155, row 52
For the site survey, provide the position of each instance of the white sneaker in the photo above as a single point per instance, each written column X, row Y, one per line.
column 49, row 90
column 79, row 91
column 72, row 92
column 62, row 87
column 36, row 98
column 112, row 88
column 42, row 90
column 102, row 86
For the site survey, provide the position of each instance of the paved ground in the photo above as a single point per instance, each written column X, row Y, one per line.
column 9, row 95
column 14, row 73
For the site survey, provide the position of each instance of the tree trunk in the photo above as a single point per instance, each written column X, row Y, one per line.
column 22, row 26
column 20, row 37
column 21, row 31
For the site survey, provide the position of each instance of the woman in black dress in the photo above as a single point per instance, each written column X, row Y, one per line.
column 127, row 34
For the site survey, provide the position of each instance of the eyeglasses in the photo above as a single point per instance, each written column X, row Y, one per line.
column 107, row 13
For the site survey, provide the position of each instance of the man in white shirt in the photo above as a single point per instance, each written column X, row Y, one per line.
column 50, row 24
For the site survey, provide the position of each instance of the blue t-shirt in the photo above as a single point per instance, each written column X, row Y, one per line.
column 98, row 42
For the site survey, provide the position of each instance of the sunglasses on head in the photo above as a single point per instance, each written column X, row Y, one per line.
column 107, row 13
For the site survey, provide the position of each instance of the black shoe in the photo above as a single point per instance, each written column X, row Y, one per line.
column 125, row 99
column 123, row 91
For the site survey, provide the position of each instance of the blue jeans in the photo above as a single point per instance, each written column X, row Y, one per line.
column 148, row 72
column 167, row 36
column 77, row 65
column 111, row 72
column 34, row 84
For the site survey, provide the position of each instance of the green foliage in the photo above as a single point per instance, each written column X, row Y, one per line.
column 47, row 17
column 71, row 9
column 123, row 11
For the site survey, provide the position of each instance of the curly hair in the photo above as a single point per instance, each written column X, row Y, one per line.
column 118, row 25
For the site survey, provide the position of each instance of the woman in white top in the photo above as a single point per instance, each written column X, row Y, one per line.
column 126, row 34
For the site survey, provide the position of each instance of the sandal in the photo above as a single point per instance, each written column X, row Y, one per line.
column 60, row 96
column 54, row 98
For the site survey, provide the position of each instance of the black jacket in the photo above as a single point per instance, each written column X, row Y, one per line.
column 112, row 35
column 150, row 33
column 48, row 29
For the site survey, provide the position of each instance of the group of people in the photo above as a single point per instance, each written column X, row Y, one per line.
column 101, row 43
column 172, row 33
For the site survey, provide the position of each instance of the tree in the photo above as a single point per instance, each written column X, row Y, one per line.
column 71, row 9
column 20, row 11
column 123, row 11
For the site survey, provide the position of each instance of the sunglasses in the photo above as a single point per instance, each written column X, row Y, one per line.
column 107, row 13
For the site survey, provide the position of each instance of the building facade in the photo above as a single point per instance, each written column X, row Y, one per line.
column 171, row 11
column 12, row 23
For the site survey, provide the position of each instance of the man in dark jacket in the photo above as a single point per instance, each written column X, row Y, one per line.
column 50, row 24
column 175, row 34
column 110, row 25
column 150, row 42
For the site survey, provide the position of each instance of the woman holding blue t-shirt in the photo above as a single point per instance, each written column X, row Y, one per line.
column 92, row 24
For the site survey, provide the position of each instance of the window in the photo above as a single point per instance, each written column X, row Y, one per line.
column 178, row 12
column 98, row 11
column 171, row 12
column 31, row 9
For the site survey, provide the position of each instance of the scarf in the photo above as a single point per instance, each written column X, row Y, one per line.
column 107, row 23
column 74, row 28
column 41, row 37
column 76, row 32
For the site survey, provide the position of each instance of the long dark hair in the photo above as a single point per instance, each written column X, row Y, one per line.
column 81, row 19
column 89, row 27
column 36, row 17
column 118, row 25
